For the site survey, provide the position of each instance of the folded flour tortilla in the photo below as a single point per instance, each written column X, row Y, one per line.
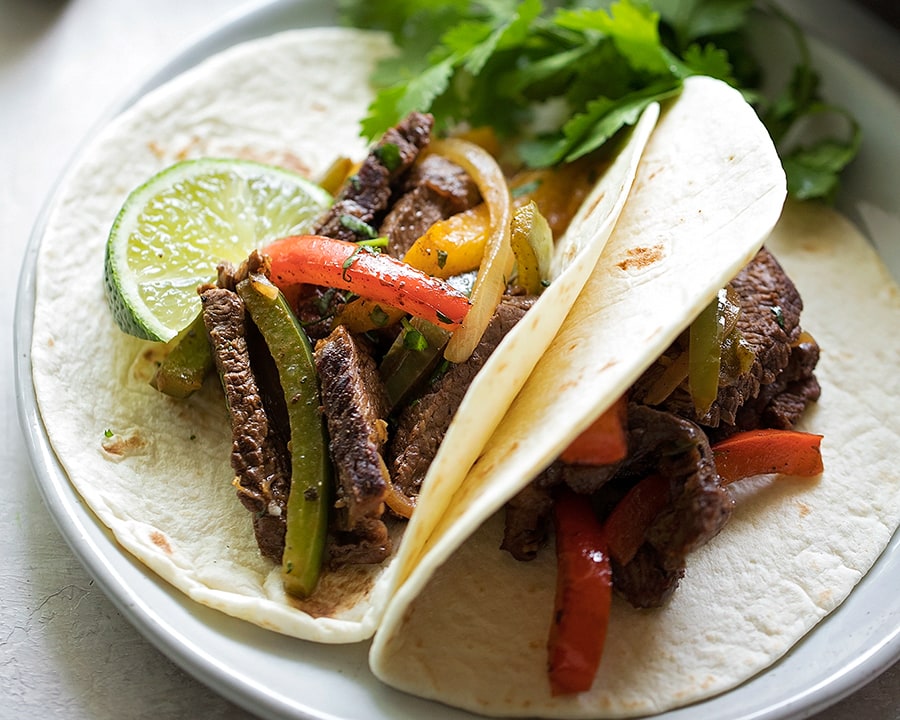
column 156, row 471
column 469, row 625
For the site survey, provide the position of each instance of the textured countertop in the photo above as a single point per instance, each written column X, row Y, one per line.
column 64, row 649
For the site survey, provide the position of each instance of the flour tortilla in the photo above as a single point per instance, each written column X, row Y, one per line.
column 470, row 624
column 156, row 471
column 472, row 632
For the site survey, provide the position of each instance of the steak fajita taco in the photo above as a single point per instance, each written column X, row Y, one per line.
column 174, row 477
column 692, row 581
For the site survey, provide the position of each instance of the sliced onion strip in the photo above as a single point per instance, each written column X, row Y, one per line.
column 497, row 263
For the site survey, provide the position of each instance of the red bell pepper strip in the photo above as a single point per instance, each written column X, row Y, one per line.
column 629, row 520
column 761, row 452
column 603, row 442
column 583, row 596
column 317, row 260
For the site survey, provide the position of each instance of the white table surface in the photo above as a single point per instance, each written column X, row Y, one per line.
column 64, row 649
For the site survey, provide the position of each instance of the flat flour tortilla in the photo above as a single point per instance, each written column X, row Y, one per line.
column 474, row 633
column 156, row 471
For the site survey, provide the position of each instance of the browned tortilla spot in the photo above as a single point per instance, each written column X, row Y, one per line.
column 639, row 258
column 121, row 445
column 338, row 591
column 161, row 542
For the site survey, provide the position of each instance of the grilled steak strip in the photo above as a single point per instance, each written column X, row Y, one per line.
column 258, row 456
column 769, row 324
column 658, row 443
column 434, row 189
column 354, row 405
column 366, row 195
column 423, row 424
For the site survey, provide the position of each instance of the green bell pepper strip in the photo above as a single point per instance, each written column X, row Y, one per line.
column 183, row 370
column 310, row 494
column 705, row 357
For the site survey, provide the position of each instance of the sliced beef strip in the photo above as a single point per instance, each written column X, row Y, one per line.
column 676, row 448
column 366, row 195
column 368, row 543
column 355, row 405
column 769, row 324
column 658, row 443
column 781, row 403
column 435, row 189
column 422, row 425
column 258, row 456
column 527, row 518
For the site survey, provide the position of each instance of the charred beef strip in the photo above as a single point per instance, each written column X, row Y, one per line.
column 676, row 448
column 434, row 190
column 658, row 443
column 781, row 403
column 422, row 425
column 354, row 405
column 258, row 455
column 769, row 325
column 366, row 195
column 364, row 198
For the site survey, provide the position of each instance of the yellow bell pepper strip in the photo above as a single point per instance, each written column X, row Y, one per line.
column 317, row 260
column 497, row 261
column 558, row 191
column 583, row 596
column 452, row 246
column 767, row 451
column 310, row 494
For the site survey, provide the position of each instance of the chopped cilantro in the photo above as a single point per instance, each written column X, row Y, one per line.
column 441, row 258
column 389, row 155
column 497, row 62
column 413, row 339
column 355, row 225
column 779, row 315
column 107, row 433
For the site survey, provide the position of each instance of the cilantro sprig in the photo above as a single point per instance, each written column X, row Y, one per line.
column 560, row 81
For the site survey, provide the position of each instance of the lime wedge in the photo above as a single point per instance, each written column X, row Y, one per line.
column 174, row 230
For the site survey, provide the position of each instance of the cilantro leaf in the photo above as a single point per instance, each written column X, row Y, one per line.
column 560, row 81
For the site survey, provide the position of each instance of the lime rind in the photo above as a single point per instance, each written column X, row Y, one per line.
column 174, row 230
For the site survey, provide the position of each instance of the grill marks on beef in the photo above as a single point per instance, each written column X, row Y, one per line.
column 366, row 196
column 355, row 405
column 434, row 189
column 423, row 424
column 258, row 455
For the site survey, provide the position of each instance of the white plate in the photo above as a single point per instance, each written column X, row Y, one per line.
column 276, row 676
